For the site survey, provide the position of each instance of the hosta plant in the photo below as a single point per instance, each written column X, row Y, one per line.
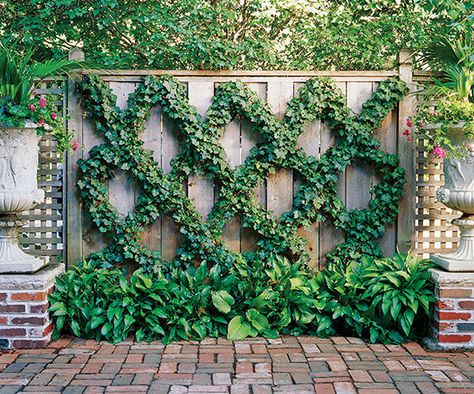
column 385, row 300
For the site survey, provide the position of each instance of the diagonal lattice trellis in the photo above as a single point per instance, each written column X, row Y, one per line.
column 316, row 199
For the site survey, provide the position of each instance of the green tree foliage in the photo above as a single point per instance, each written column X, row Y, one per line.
column 231, row 34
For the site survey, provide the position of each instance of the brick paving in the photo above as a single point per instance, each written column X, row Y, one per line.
column 259, row 366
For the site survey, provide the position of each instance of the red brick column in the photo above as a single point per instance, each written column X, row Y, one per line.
column 24, row 317
column 453, row 320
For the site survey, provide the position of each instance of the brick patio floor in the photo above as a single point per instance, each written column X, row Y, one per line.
column 288, row 364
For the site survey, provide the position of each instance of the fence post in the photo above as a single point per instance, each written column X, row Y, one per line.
column 406, row 152
column 73, row 225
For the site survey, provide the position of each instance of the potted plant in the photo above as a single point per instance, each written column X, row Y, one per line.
column 448, row 129
column 24, row 117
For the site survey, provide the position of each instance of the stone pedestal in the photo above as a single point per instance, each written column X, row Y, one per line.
column 12, row 258
column 461, row 259
column 24, row 317
column 452, row 325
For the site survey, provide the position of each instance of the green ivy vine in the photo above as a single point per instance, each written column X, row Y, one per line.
column 201, row 152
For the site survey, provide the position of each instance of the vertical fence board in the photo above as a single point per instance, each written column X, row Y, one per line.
column 280, row 184
column 151, row 236
column 230, row 141
column 73, row 217
column 248, row 139
column 200, row 187
column 387, row 135
column 358, row 178
column 93, row 240
column 329, row 235
column 406, row 218
column 310, row 142
column 121, row 187
column 169, row 149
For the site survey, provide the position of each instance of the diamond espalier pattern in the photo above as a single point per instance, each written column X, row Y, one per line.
column 316, row 199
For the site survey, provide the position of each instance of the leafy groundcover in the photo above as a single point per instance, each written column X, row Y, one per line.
column 386, row 300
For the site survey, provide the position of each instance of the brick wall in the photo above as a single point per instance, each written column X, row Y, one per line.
column 453, row 321
column 24, row 317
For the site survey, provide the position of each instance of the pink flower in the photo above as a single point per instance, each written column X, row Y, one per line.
column 408, row 122
column 75, row 145
column 35, row 93
column 439, row 152
column 54, row 116
column 42, row 102
column 32, row 107
column 422, row 124
column 470, row 147
column 41, row 122
column 434, row 113
column 409, row 138
column 406, row 132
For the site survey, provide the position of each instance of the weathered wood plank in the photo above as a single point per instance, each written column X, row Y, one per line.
column 406, row 218
column 121, row 187
column 280, row 184
column 309, row 141
column 151, row 236
column 230, row 141
column 358, row 178
column 387, row 135
column 73, row 222
column 249, row 139
column 329, row 235
column 200, row 187
column 92, row 239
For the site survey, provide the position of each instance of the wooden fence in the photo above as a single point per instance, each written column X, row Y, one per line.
column 277, row 194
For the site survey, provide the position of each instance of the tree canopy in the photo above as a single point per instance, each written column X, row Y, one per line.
column 231, row 34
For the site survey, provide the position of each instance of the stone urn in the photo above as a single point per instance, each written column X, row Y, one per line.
column 19, row 192
column 458, row 194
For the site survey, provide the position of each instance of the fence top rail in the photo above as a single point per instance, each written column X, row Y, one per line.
column 241, row 73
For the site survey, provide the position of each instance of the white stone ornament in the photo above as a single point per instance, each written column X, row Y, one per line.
column 458, row 194
column 18, row 192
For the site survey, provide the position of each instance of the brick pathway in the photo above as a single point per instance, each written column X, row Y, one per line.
column 288, row 364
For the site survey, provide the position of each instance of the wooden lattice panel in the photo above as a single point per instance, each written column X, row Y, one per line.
column 43, row 235
column 434, row 232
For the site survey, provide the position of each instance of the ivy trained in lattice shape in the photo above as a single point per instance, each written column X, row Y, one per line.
column 201, row 152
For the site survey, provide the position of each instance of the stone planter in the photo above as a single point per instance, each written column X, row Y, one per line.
column 458, row 194
column 18, row 192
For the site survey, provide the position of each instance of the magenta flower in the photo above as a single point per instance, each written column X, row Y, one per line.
column 408, row 122
column 32, row 107
column 75, row 145
column 406, row 132
column 439, row 152
column 41, row 122
column 54, row 116
column 42, row 102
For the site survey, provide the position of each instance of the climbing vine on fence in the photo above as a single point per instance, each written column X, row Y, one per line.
column 316, row 199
